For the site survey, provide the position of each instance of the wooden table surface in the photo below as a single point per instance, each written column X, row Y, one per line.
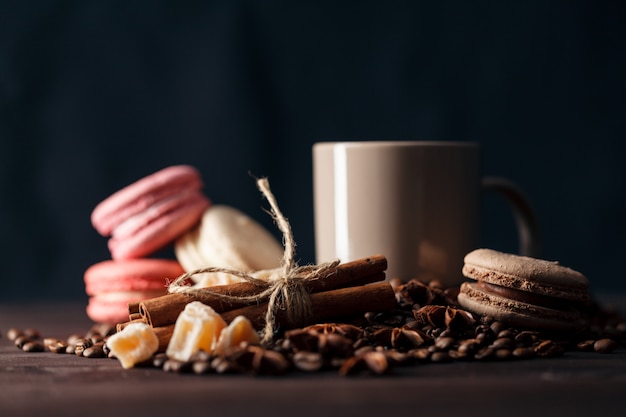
column 576, row 384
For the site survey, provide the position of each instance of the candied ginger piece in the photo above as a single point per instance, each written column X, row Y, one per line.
column 197, row 327
column 136, row 343
column 239, row 330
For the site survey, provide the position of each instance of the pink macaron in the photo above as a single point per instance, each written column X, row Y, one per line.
column 152, row 212
column 113, row 284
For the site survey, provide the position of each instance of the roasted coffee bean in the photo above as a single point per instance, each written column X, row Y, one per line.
column 508, row 333
column 376, row 362
column 201, row 367
column 503, row 343
column 94, row 351
column 548, row 349
column 484, row 338
column 605, row 345
column 21, row 340
column 421, row 354
column 396, row 357
column 158, row 359
column 33, row 346
column 468, row 346
column 308, row 361
column 458, row 355
column 523, row 352
column 484, row 354
column 55, row 346
column 352, row 366
column 80, row 345
column 497, row 327
column 32, row 333
column 586, row 345
column 440, row 357
column 503, row 354
column 173, row 365
column 13, row 333
column 526, row 337
column 445, row 343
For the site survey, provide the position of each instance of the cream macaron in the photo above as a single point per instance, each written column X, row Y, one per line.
column 227, row 238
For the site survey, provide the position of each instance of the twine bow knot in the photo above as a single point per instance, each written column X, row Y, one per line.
column 284, row 290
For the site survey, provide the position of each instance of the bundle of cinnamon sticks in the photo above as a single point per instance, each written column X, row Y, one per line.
column 349, row 289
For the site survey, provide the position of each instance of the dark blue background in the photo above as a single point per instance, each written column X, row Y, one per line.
column 95, row 95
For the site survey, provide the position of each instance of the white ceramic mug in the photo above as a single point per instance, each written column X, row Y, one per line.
column 416, row 202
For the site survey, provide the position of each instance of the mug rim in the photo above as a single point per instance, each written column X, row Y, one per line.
column 397, row 143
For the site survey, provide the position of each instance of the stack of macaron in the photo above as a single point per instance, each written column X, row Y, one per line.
column 523, row 291
column 139, row 220
column 169, row 208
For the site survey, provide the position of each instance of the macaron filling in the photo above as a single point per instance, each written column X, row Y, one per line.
column 524, row 296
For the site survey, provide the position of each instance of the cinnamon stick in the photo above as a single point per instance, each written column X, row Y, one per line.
column 164, row 310
column 164, row 334
column 327, row 305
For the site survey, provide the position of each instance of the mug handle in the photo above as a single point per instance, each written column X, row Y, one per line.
column 525, row 218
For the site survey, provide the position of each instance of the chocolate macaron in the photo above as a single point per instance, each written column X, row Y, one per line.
column 523, row 291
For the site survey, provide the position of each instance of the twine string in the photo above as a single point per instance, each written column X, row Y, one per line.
column 284, row 290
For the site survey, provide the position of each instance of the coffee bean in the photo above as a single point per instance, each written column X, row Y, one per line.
column 308, row 361
column 94, row 351
column 440, row 357
column 80, row 345
column 21, row 340
column 497, row 327
column 469, row 346
column 503, row 354
column 13, row 334
column 523, row 352
column 484, row 354
column 54, row 345
column 503, row 343
column 586, row 345
column 201, row 367
column 508, row 333
column 376, row 362
column 32, row 333
column 445, row 343
column 526, row 337
column 33, row 346
column 173, row 365
column 420, row 354
column 605, row 345
column 548, row 349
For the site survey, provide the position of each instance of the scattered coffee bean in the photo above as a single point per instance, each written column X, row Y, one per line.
column 33, row 346
column 201, row 367
column 440, row 357
column 605, row 345
column 548, row 349
column 503, row 343
column 586, row 345
column 308, row 361
column 94, row 351
column 523, row 352
column 173, row 365
column 32, row 333
column 21, row 340
column 13, row 333
column 503, row 354
column 444, row 343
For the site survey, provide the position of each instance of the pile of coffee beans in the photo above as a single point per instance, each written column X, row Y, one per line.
column 426, row 327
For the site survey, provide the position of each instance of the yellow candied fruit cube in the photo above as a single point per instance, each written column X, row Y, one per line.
column 197, row 327
column 239, row 330
column 136, row 343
